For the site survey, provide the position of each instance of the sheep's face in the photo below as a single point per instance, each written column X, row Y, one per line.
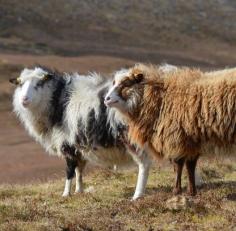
column 125, row 92
column 31, row 86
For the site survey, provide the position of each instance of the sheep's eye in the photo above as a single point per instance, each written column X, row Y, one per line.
column 48, row 76
column 113, row 83
column 127, row 83
column 40, row 83
column 45, row 78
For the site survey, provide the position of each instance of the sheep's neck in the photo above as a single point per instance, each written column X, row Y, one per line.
column 142, row 121
column 40, row 121
column 54, row 116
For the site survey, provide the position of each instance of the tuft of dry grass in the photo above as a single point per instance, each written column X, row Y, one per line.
column 108, row 206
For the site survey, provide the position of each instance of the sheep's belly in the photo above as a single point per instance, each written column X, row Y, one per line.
column 109, row 157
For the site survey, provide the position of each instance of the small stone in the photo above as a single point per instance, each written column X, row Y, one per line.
column 90, row 189
column 178, row 203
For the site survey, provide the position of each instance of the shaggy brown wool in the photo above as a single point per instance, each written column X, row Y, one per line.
column 182, row 113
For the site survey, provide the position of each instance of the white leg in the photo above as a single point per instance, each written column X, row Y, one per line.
column 143, row 161
column 79, row 181
column 67, row 189
column 143, row 171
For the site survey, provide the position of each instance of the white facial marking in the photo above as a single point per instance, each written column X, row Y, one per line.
column 112, row 98
column 27, row 92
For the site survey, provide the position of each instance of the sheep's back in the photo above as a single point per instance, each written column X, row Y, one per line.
column 196, row 113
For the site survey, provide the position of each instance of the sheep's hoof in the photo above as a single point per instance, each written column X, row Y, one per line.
column 192, row 192
column 66, row 194
column 177, row 191
column 134, row 198
column 79, row 191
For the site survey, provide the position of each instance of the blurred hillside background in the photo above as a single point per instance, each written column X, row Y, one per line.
column 154, row 30
column 100, row 35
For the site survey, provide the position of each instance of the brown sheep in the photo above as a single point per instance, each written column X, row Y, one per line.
column 178, row 115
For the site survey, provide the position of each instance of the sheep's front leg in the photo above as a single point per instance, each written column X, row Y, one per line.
column 143, row 172
column 178, row 167
column 191, row 166
column 71, row 164
column 79, row 187
column 143, row 161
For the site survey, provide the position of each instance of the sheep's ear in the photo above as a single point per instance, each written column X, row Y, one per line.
column 15, row 81
column 138, row 77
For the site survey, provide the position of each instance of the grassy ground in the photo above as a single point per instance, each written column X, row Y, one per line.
column 108, row 206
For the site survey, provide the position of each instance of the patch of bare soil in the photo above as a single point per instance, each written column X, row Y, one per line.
column 22, row 160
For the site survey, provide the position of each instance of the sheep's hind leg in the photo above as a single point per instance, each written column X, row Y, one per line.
column 71, row 164
column 79, row 187
column 191, row 166
column 178, row 167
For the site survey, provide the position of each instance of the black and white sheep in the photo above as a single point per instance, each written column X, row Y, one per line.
column 66, row 114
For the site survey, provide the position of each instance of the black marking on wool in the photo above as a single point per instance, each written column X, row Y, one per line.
column 71, row 164
column 60, row 98
column 43, row 81
column 103, row 130
column 81, row 137
column 90, row 128
column 73, row 157
column 39, row 84
column 60, row 95
column 51, row 75
column 97, row 132
column 70, row 151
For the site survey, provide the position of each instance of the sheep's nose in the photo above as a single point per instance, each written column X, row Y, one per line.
column 25, row 101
